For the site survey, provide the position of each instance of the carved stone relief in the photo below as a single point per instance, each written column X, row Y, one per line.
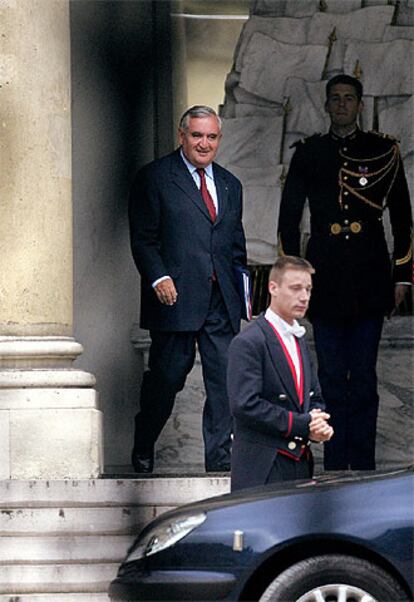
column 275, row 92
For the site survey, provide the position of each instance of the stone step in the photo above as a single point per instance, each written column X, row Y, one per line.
column 64, row 549
column 57, row 578
column 63, row 541
column 163, row 490
column 124, row 520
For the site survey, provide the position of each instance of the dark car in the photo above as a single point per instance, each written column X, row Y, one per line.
column 332, row 539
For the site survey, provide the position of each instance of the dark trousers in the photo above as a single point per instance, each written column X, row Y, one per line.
column 171, row 358
column 286, row 469
column 347, row 351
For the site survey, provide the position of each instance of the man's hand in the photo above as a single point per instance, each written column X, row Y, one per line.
column 319, row 429
column 399, row 294
column 166, row 292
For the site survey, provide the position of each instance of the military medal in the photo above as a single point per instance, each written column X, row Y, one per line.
column 363, row 170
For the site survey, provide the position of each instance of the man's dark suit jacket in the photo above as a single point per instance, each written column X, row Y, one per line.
column 265, row 405
column 172, row 234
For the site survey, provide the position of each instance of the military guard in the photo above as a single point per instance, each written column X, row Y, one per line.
column 349, row 178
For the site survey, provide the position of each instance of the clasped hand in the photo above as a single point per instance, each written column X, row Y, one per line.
column 319, row 429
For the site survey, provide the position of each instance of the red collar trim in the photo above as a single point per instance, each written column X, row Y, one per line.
column 298, row 385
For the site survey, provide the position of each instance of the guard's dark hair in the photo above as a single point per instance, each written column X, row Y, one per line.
column 197, row 111
column 289, row 262
column 342, row 78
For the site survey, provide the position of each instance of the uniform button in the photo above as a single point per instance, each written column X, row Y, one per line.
column 346, row 163
column 345, row 148
column 346, row 193
column 346, row 222
column 346, row 206
column 347, row 237
column 292, row 445
column 345, row 177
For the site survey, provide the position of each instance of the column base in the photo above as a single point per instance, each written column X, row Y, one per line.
column 50, row 422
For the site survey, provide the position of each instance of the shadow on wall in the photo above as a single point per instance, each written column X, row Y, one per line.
column 115, row 49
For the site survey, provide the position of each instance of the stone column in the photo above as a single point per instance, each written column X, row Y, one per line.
column 50, row 425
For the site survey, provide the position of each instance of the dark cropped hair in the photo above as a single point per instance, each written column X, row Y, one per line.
column 289, row 262
column 198, row 111
column 342, row 78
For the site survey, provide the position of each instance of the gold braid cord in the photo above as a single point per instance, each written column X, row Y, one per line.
column 392, row 164
column 280, row 246
column 406, row 258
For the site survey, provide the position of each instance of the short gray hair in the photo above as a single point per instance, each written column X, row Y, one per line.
column 198, row 111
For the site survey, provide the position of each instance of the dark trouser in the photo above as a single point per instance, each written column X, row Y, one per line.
column 286, row 469
column 171, row 358
column 347, row 351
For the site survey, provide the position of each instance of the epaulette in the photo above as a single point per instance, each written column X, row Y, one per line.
column 305, row 140
column 386, row 136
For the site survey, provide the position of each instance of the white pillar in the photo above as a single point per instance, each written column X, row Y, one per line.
column 50, row 424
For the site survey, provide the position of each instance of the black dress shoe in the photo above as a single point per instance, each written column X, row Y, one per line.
column 142, row 463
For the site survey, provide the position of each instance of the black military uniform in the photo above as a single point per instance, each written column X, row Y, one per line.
column 349, row 182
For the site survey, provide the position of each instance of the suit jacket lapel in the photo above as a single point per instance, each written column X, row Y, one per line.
column 279, row 360
column 222, row 194
column 183, row 179
column 306, row 374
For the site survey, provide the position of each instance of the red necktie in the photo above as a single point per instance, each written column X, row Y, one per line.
column 206, row 195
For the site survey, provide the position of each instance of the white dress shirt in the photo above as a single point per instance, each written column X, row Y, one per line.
column 285, row 331
column 211, row 187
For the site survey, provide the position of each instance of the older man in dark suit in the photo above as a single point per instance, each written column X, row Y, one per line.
column 187, row 240
column 273, row 391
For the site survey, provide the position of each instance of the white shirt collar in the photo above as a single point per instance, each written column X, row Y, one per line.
column 283, row 327
column 191, row 168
